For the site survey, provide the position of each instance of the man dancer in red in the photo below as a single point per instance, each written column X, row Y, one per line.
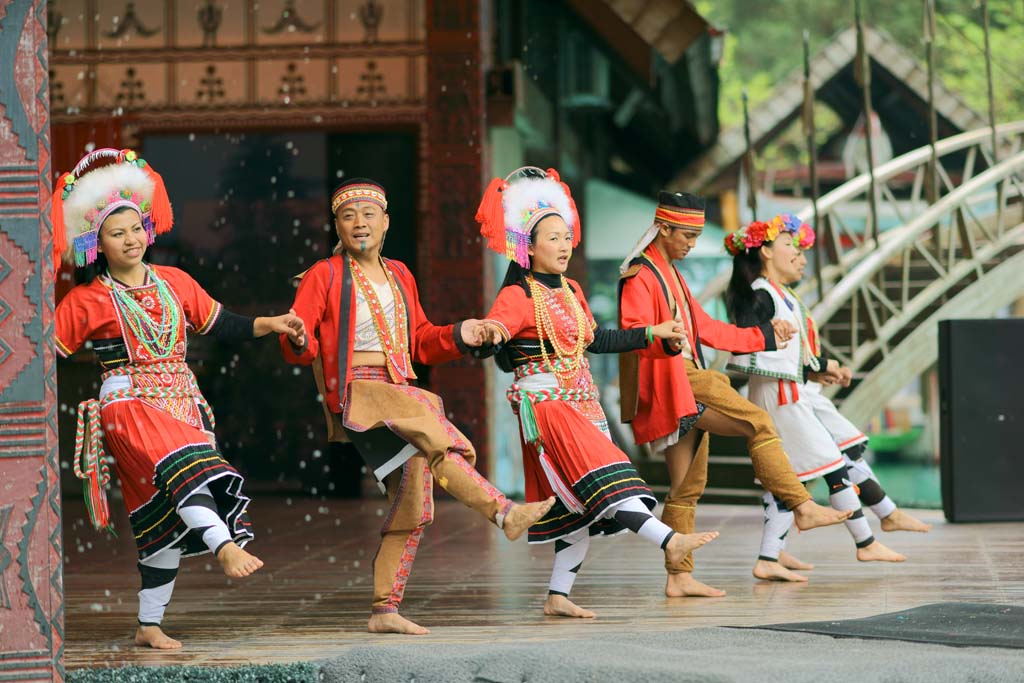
column 672, row 401
column 364, row 321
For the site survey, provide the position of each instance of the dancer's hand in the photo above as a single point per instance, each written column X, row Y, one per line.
column 784, row 331
column 289, row 324
column 479, row 332
column 845, row 376
column 672, row 330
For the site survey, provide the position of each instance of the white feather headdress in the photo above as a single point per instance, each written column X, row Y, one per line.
column 84, row 198
column 512, row 207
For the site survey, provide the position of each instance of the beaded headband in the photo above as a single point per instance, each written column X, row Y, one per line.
column 362, row 192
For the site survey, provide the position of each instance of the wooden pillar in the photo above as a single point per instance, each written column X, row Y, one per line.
column 31, row 579
column 451, row 263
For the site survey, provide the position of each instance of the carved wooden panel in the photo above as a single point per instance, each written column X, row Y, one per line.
column 31, row 583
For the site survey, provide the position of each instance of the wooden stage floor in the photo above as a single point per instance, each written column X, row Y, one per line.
column 469, row 584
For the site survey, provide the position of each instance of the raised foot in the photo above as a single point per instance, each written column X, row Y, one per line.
column 393, row 622
column 681, row 545
column 154, row 637
column 810, row 515
column 522, row 517
column 236, row 561
column 876, row 552
column 683, row 585
column 561, row 606
column 901, row 521
column 790, row 562
column 774, row 571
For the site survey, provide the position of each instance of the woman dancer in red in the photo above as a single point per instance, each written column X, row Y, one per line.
column 183, row 497
column 544, row 325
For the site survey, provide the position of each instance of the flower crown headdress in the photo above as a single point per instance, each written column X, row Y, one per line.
column 755, row 235
column 512, row 207
column 104, row 181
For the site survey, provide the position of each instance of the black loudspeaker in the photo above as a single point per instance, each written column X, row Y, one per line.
column 982, row 419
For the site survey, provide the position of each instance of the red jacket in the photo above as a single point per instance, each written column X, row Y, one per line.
column 665, row 395
column 326, row 301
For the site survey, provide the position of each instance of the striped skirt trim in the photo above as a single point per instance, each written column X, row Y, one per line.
column 156, row 524
column 599, row 490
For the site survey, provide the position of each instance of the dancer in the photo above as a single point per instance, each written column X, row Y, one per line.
column 672, row 401
column 787, row 384
column 544, row 325
column 183, row 497
column 366, row 327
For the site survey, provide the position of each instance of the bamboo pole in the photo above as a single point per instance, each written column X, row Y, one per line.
column 932, row 188
column 748, row 162
column 812, row 161
column 988, row 77
column 864, row 65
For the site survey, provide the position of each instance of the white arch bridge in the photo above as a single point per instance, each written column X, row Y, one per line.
column 960, row 255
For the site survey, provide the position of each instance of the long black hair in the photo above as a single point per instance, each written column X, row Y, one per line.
column 746, row 267
column 86, row 274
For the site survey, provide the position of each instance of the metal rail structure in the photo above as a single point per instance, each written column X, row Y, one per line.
column 957, row 257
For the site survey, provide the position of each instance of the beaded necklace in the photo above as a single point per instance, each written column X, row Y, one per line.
column 572, row 358
column 158, row 337
column 396, row 346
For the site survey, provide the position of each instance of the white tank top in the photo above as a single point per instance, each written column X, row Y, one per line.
column 366, row 333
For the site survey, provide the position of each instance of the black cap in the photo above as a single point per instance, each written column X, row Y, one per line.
column 681, row 200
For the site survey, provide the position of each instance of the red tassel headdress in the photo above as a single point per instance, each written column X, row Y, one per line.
column 512, row 206
column 103, row 181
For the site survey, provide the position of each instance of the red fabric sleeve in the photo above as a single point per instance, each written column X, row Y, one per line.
column 201, row 309
column 512, row 310
column 431, row 344
column 723, row 336
column 310, row 304
column 640, row 305
column 71, row 326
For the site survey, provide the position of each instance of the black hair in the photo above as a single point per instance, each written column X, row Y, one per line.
column 746, row 267
column 86, row 274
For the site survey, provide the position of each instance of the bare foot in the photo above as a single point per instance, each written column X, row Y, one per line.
column 810, row 515
column 393, row 622
column 236, row 561
column 901, row 521
column 522, row 517
column 876, row 552
column 774, row 571
column 154, row 637
column 790, row 562
column 683, row 585
column 682, row 545
column 561, row 606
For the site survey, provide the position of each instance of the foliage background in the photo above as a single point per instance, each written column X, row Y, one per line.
column 763, row 45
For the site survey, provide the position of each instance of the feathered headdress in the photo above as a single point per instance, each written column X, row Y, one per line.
column 513, row 206
column 102, row 182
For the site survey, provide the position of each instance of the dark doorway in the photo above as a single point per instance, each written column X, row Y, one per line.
column 390, row 159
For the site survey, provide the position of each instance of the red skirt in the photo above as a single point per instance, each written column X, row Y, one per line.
column 161, row 461
column 583, row 468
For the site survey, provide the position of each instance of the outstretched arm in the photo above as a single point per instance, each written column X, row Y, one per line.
column 309, row 306
column 725, row 337
column 639, row 309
